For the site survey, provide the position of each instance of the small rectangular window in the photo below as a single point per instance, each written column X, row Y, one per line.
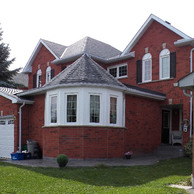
column 54, row 109
column 71, row 108
column 94, row 108
column 113, row 72
column 2, row 122
column 10, row 122
column 123, row 71
column 118, row 71
column 113, row 110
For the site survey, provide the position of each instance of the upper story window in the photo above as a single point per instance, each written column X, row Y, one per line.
column 113, row 110
column 164, row 64
column 119, row 71
column 94, row 108
column 39, row 75
column 147, row 67
column 71, row 108
column 48, row 74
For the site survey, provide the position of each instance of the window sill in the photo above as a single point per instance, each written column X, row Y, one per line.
column 80, row 126
column 154, row 81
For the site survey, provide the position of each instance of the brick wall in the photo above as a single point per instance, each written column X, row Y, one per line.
column 41, row 59
column 143, row 122
column 83, row 142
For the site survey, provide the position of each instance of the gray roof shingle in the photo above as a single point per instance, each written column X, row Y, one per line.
column 58, row 49
column 85, row 71
column 92, row 47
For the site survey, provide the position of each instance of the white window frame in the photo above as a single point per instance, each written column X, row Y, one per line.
column 100, row 104
column 66, row 96
column 50, row 97
column 39, row 77
column 83, row 106
column 165, row 53
column 111, row 123
column 146, row 58
column 117, row 68
column 48, row 74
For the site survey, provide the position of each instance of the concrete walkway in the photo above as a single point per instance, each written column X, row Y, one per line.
column 146, row 159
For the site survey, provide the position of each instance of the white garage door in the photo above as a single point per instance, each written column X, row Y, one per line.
column 6, row 137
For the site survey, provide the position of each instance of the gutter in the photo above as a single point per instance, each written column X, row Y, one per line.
column 20, row 127
column 106, row 61
column 144, row 94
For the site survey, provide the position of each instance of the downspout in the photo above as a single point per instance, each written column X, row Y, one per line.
column 191, row 99
column 20, row 127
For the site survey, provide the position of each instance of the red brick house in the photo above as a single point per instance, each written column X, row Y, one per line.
column 90, row 100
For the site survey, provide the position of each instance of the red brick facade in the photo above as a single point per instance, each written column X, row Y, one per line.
column 143, row 116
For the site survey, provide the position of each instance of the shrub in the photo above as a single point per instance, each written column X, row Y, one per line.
column 188, row 148
column 62, row 160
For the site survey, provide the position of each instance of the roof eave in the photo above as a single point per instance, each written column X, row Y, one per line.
column 28, row 68
column 145, row 94
column 184, row 42
column 106, row 61
column 145, row 26
column 43, row 90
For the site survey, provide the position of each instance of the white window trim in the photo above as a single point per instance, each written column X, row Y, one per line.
column 83, row 106
column 164, row 53
column 117, row 67
column 146, row 57
column 100, row 116
column 65, row 108
column 113, row 96
column 49, row 108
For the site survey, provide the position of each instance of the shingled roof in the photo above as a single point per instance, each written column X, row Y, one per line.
column 84, row 71
column 55, row 49
column 90, row 46
column 58, row 49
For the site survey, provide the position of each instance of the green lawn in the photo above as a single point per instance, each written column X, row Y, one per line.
column 100, row 179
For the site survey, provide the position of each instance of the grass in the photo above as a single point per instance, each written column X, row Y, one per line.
column 100, row 179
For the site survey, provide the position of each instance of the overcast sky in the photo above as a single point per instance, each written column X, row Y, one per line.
column 114, row 22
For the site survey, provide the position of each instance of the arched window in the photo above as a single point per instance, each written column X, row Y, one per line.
column 147, row 67
column 164, row 64
column 39, row 74
column 48, row 74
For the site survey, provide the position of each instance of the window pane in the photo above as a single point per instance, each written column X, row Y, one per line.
column 48, row 76
column 123, row 71
column 113, row 110
column 147, row 71
column 71, row 108
column 54, row 109
column 94, row 109
column 113, row 72
column 39, row 81
column 165, row 67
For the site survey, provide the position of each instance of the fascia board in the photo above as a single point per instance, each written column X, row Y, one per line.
column 14, row 100
column 184, row 42
column 145, row 27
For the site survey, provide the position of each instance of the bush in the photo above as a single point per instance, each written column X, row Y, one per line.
column 188, row 148
column 62, row 160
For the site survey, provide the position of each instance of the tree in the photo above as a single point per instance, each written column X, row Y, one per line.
column 6, row 75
